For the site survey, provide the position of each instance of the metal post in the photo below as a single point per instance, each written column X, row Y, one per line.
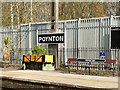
column 99, row 36
column 12, row 30
column 78, row 37
column 118, row 62
column 53, row 16
column 30, row 29
column 110, row 24
column 29, row 46
column 73, row 44
column 89, row 67
column 65, row 34
column 56, row 15
column 77, row 41
column 37, row 37
column 54, row 20
column 113, row 69
column 31, row 12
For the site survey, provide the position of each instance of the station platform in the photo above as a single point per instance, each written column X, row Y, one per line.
column 62, row 79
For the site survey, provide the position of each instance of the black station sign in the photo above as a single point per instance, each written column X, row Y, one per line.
column 51, row 38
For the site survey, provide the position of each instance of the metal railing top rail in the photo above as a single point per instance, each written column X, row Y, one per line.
column 97, row 18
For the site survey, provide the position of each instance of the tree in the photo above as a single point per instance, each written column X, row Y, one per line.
column 6, row 51
column 112, row 8
column 41, row 11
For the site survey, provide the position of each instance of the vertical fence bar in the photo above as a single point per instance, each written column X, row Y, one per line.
column 30, row 30
column 37, row 37
column 64, row 27
column 99, row 35
column 77, row 28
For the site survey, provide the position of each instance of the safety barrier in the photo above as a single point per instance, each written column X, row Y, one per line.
column 39, row 62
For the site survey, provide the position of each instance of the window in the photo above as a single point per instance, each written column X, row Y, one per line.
column 115, row 37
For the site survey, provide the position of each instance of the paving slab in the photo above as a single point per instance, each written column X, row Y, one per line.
column 52, row 77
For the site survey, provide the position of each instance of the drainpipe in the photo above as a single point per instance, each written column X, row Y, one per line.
column 54, row 20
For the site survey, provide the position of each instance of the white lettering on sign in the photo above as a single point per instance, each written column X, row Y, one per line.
column 90, row 60
column 61, row 38
column 57, row 38
column 51, row 38
column 40, row 38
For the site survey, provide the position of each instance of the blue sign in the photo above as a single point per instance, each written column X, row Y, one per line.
column 102, row 54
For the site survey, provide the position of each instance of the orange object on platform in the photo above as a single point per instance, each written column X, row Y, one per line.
column 26, row 58
column 32, row 58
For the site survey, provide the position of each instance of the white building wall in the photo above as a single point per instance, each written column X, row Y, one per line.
column 93, row 34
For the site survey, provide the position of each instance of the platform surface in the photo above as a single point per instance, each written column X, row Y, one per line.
column 52, row 77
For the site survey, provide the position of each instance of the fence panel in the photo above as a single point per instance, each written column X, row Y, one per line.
column 85, row 38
